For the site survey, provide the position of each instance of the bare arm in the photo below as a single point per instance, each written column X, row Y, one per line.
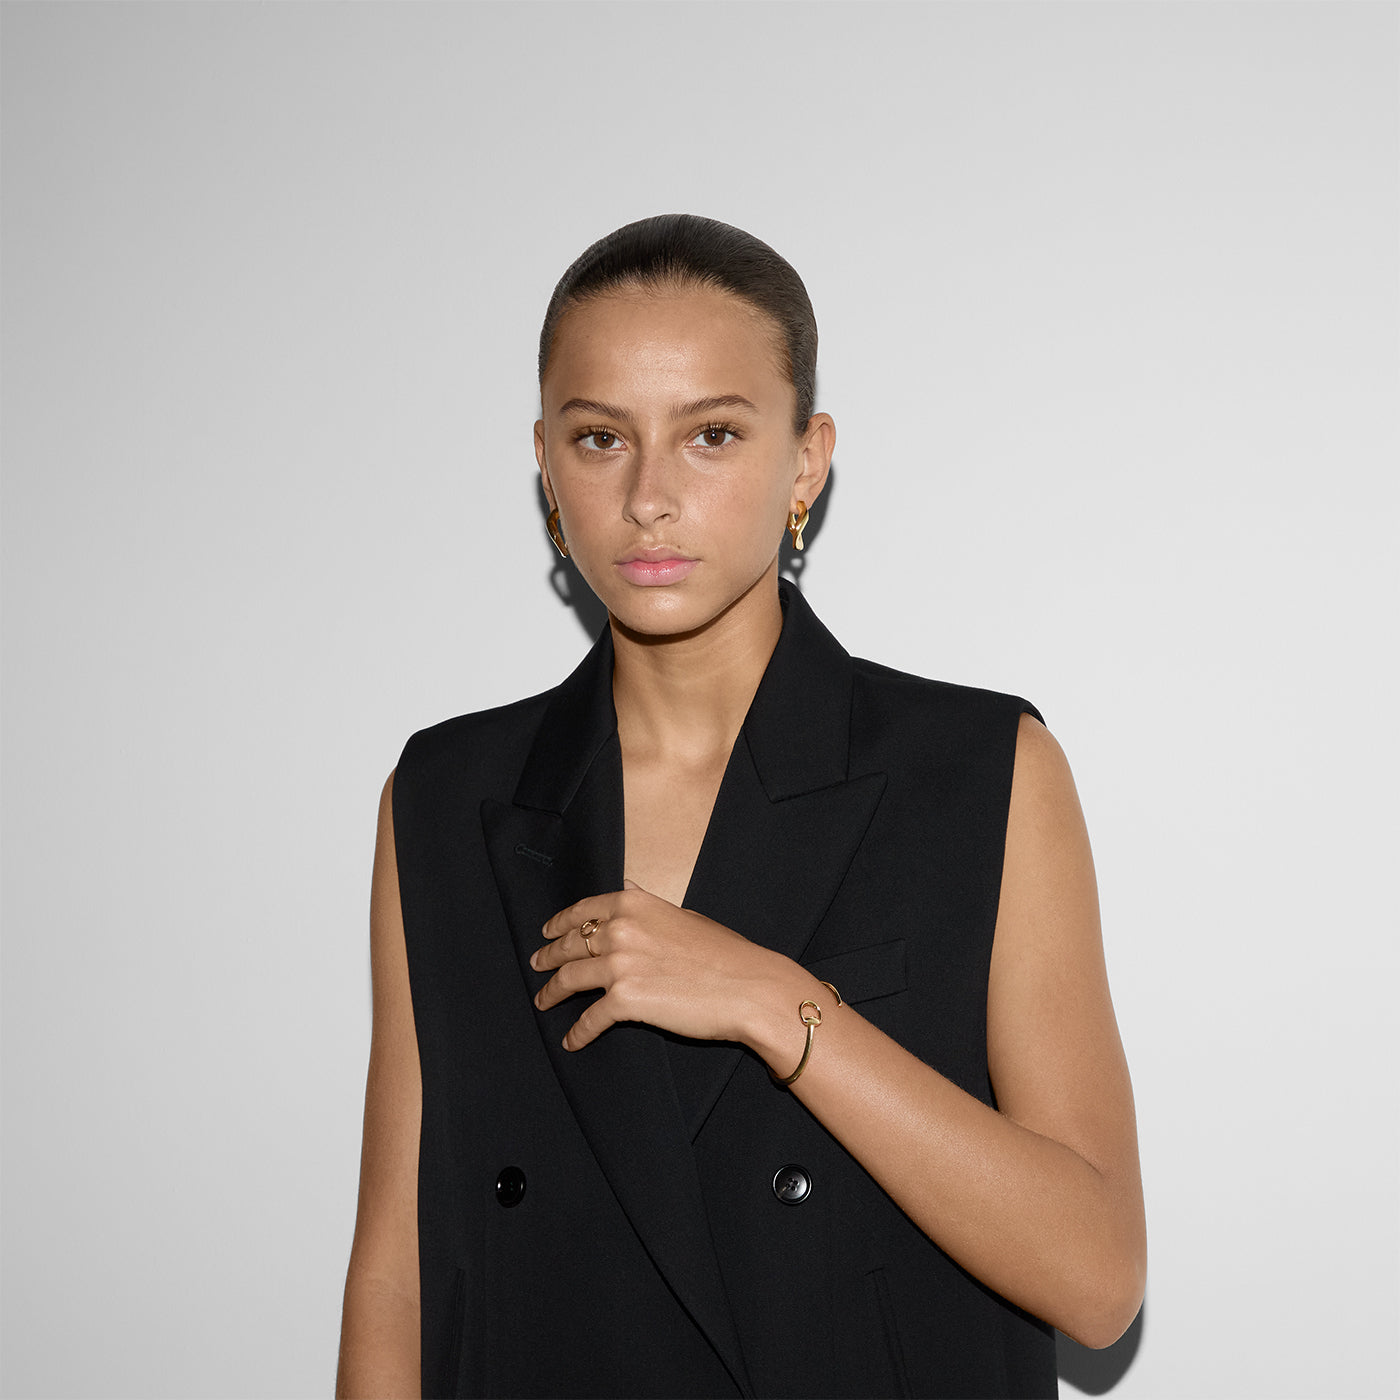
column 1041, row 1198
column 379, row 1331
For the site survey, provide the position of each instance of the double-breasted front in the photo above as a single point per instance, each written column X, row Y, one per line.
column 652, row 1216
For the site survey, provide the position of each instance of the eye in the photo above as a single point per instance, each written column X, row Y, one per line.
column 597, row 439
column 714, row 435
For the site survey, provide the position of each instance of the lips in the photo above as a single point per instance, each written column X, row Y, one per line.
column 652, row 568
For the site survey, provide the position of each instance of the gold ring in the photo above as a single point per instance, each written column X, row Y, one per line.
column 588, row 928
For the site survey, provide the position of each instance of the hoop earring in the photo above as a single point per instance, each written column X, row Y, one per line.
column 797, row 523
column 556, row 533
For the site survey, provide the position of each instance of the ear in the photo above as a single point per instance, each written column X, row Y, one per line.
column 818, row 443
column 544, row 467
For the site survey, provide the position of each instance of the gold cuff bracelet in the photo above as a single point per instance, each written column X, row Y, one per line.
column 810, row 1015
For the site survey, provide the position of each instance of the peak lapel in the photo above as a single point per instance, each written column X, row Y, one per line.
column 788, row 819
column 561, row 840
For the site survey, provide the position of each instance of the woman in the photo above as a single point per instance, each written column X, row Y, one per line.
column 740, row 1016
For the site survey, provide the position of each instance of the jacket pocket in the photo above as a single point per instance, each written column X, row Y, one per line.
column 865, row 974
column 451, row 1382
column 882, row 1304
column 469, row 1347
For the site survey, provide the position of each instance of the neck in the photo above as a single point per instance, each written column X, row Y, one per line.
column 686, row 696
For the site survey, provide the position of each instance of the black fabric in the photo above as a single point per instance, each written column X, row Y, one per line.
column 860, row 829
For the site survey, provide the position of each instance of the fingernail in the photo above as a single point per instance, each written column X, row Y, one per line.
column 534, row 961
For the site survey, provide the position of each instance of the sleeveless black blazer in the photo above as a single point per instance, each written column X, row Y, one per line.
column 613, row 1223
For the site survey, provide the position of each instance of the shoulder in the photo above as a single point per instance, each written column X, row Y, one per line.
column 1043, row 795
column 899, row 707
column 482, row 743
column 922, row 692
column 1038, row 752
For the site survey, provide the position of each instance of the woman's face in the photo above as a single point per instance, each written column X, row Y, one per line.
column 667, row 445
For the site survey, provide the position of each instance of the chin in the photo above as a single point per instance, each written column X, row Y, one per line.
column 674, row 612
column 664, row 616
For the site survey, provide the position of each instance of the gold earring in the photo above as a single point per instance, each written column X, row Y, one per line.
column 797, row 523
column 556, row 533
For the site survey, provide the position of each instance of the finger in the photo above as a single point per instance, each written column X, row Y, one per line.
column 565, row 948
column 590, row 1025
column 572, row 977
column 566, row 920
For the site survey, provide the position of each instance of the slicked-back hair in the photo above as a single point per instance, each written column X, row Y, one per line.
column 669, row 251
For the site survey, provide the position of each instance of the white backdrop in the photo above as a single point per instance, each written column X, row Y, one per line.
column 1108, row 299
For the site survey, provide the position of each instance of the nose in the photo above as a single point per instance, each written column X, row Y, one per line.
column 651, row 490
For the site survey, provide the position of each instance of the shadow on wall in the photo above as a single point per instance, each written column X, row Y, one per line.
column 568, row 585
column 1097, row 1372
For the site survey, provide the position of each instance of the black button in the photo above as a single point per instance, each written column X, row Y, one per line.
column 510, row 1186
column 792, row 1185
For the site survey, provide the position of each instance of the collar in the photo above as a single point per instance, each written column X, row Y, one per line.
column 797, row 727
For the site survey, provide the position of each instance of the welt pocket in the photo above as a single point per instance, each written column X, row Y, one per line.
column 452, row 1378
column 883, row 1305
column 863, row 974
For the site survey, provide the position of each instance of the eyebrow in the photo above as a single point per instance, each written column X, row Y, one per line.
column 685, row 410
column 699, row 406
